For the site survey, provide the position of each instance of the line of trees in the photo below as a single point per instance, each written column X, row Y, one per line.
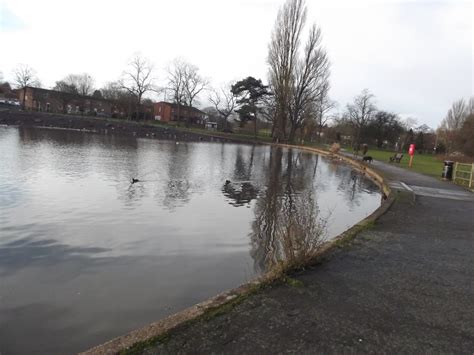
column 294, row 104
column 130, row 91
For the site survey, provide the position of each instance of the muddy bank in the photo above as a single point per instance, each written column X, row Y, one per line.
column 103, row 126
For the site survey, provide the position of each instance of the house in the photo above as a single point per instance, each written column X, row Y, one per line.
column 38, row 99
column 170, row 112
column 211, row 126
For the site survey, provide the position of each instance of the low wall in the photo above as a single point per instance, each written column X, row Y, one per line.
column 162, row 327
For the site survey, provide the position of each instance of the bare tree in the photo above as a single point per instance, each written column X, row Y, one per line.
column 63, row 86
column 267, row 110
column 359, row 113
column 82, row 84
column 470, row 108
column 452, row 124
column 323, row 106
column 25, row 76
column 296, row 81
column 410, row 123
column 194, row 83
column 456, row 115
column 176, row 78
column 138, row 80
column 122, row 99
column 185, row 83
column 311, row 84
column 224, row 102
column 282, row 57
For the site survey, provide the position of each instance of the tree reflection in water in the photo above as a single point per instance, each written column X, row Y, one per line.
column 177, row 187
column 242, row 191
column 286, row 227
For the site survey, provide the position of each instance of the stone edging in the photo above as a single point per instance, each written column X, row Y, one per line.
column 171, row 322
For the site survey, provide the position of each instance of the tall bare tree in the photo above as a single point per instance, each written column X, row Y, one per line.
column 176, row 79
column 185, row 83
column 25, row 76
column 323, row 106
column 267, row 110
column 456, row 115
column 452, row 124
column 311, row 84
column 282, row 58
column 224, row 102
column 297, row 81
column 138, row 80
column 194, row 84
column 359, row 113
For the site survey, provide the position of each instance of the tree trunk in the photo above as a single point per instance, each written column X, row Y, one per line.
column 320, row 130
column 24, row 99
column 291, row 136
column 178, row 118
column 255, row 127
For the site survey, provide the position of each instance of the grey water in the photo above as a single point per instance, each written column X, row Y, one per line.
column 86, row 256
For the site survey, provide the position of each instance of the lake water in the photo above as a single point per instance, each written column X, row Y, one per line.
column 86, row 256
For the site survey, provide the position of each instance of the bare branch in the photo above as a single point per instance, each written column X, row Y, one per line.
column 138, row 80
column 25, row 76
column 360, row 112
column 185, row 82
column 224, row 101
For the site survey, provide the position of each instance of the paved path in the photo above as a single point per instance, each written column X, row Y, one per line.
column 422, row 185
column 404, row 286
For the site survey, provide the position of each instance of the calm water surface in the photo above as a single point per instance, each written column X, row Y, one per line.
column 86, row 256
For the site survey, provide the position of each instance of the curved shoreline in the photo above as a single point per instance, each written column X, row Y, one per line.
column 161, row 327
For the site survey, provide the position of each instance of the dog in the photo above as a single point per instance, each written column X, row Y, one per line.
column 367, row 158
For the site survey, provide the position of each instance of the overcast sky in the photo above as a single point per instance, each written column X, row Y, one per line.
column 415, row 56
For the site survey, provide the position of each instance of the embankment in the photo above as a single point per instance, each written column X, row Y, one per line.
column 100, row 125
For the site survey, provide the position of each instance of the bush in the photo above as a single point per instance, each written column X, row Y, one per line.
column 335, row 148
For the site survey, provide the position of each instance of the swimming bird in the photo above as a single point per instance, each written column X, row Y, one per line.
column 134, row 180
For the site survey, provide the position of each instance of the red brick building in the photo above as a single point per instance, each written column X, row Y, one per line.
column 169, row 112
column 37, row 99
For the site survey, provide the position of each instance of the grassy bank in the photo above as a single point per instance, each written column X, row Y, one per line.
column 427, row 164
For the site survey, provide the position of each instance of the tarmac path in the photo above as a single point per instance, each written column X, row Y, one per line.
column 404, row 286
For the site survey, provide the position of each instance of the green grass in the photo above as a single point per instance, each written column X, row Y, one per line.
column 293, row 282
column 426, row 164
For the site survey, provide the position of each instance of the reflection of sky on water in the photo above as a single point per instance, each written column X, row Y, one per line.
column 91, row 255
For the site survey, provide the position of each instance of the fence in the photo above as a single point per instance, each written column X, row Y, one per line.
column 464, row 174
